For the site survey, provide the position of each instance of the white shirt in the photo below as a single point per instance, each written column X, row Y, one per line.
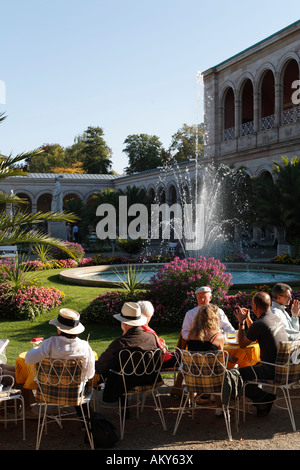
column 60, row 347
column 291, row 324
column 189, row 318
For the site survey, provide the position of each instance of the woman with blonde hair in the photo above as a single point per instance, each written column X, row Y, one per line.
column 205, row 334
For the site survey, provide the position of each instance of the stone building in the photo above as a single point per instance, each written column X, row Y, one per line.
column 250, row 116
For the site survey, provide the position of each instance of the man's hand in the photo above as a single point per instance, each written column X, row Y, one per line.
column 295, row 308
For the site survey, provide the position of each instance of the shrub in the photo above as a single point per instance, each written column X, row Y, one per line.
column 236, row 258
column 28, row 302
column 172, row 289
column 100, row 259
column 285, row 259
column 131, row 246
column 103, row 307
column 57, row 253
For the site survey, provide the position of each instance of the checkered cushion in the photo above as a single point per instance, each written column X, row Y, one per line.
column 203, row 373
column 288, row 356
column 144, row 388
column 59, row 382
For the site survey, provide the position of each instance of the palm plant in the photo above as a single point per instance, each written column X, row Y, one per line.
column 132, row 278
column 277, row 200
column 13, row 226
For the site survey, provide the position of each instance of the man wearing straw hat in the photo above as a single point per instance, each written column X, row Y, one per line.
column 134, row 338
column 66, row 344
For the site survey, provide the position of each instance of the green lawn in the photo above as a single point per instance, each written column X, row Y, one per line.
column 77, row 297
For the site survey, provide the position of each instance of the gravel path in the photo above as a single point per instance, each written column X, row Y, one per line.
column 205, row 432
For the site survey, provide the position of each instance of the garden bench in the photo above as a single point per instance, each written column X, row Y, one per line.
column 8, row 251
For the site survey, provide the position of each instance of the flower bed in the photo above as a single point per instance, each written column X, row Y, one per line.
column 37, row 265
column 285, row 259
column 57, row 253
column 28, row 302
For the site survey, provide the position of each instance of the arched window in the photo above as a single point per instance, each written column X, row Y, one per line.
column 247, row 119
column 44, row 202
column 290, row 110
column 229, row 117
column 267, row 109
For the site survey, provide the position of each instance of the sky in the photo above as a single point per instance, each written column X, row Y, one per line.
column 127, row 66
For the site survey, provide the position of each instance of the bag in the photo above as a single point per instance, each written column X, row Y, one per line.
column 103, row 431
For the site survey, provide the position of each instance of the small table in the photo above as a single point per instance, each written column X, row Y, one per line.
column 245, row 356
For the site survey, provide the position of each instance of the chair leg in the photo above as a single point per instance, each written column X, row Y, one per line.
column 226, row 414
column 288, row 402
column 158, row 406
column 41, row 424
column 182, row 406
column 122, row 413
column 23, row 416
column 88, row 430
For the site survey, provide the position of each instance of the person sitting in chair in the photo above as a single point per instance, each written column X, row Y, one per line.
column 66, row 344
column 134, row 338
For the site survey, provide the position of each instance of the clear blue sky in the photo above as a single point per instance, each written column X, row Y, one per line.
column 128, row 66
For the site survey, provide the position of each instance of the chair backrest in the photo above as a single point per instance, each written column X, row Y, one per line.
column 288, row 362
column 139, row 363
column 60, row 381
column 140, row 367
column 204, row 372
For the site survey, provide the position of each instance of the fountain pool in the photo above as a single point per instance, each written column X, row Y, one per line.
column 243, row 275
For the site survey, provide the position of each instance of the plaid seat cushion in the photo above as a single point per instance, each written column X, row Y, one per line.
column 288, row 356
column 203, row 373
column 144, row 388
column 59, row 382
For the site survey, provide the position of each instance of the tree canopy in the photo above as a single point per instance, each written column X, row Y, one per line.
column 88, row 154
column 143, row 151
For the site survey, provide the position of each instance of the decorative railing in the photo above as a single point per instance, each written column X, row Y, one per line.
column 267, row 122
column 247, row 128
column 229, row 133
column 291, row 115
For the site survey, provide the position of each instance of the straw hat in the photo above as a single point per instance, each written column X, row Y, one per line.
column 68, row 321
column 131, row 315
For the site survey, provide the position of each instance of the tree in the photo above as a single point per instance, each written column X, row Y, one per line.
column 96, row 154
column 187, row 143
column 144, row 153
column 13, row 225
column 52, row 155
column 277, row 200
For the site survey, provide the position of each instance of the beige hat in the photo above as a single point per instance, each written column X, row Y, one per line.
column 68, row 321
column 203, row 289
column 131, row 315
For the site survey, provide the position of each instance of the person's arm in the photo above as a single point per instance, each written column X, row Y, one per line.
column 243, row 316
column 38, row 354
column 226, row 325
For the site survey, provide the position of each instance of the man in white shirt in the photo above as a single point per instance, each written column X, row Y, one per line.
column 203, row 296
column 67, row 344
column 282, row 295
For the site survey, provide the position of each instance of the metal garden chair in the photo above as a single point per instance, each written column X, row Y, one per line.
column 287, row 376
column 144, row 368
column 203, row 374
column 61, row 383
